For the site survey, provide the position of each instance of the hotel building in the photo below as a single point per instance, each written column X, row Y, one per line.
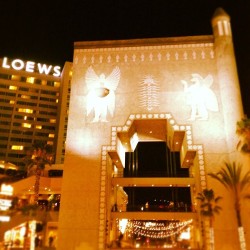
column 181, row 95
column 34, row 100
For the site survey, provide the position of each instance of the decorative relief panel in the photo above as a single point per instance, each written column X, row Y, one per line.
column 149, row 93
column 200, row 96
column 146, row 53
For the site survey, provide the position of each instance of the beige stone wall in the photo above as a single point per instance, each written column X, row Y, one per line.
column 149, row 81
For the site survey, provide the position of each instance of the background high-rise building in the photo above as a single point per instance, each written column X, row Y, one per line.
column 34, row 100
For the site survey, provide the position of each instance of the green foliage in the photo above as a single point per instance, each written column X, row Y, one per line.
column 36, row 159
column 40, row 155
column 243, row 130
column 208, row 206
column 231, row 178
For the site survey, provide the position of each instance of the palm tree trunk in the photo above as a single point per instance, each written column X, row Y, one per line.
column 241, row 232
column 242, row 238
column 211, row 235
column 37, row 184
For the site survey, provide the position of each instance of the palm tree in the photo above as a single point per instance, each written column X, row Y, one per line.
column 231, row 178
column 37, row 158
column 208, row 208
column 243, row 130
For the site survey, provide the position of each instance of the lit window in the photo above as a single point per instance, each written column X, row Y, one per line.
column 30, row 111
column 16, row 147
column 26, row 125
column 13, row 87
column 51, row 135
column 52, row 120
column 31, row 79
column 56, row 100
column 25, row 96
column 44, row 82
column 12, row 102
column 38, row 127
column 15, row 78
column 57, row 84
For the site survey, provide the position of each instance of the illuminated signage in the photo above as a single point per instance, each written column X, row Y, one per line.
column 30, row 66
column 6, row 189
column 5, row 204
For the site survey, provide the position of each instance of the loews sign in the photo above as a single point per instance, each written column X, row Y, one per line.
column 30, row 66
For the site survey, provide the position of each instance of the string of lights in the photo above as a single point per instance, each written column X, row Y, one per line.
column 156, row 229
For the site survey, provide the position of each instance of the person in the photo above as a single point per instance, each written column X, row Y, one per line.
column 119, row 243
column 37, row 241
column 51, row 239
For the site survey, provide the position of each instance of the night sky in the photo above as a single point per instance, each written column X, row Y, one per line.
column 45, row 31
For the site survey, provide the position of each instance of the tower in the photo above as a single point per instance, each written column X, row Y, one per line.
column 227, row 75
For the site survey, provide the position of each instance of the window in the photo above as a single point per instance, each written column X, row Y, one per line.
column 30, row 111
column 5, row 76
column 17, row 147
column 13, row 87
column 26, row 125
column 30, row 79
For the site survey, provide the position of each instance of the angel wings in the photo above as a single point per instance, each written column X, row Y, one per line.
column 101, row 93
column 200, row 96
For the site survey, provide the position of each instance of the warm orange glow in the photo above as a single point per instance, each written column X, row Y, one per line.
column 15, row 78
column 26, row 125
column 134, row 141
column 25, row 110
column 57, row 84
column 6, row 189
column 52, row 120
column 25, row 96
column 13, row 87
column 17, row 147
column 30, row 79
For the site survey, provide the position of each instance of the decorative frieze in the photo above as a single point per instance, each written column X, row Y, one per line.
column 146, row 54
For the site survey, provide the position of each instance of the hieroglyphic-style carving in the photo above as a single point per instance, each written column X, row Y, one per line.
column 149, row 93
column 101, row 93
column 200, row 96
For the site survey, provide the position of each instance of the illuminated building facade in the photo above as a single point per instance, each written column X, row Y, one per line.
column 181, row 91
column 34, row 100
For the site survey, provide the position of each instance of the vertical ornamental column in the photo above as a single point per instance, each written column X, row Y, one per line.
column 228, row 81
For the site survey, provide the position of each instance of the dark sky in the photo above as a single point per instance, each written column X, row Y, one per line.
column 44, row 31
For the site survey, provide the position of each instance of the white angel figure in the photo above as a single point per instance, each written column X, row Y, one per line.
column 101, row 94
column 200, row 97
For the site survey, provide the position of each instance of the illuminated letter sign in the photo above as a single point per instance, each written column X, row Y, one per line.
column 30, row 66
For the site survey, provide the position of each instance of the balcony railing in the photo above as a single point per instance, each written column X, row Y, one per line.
column 153, row 174
column 175, row 207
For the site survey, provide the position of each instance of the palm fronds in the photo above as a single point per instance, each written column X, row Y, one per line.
column 231, row 178
column 208, row 206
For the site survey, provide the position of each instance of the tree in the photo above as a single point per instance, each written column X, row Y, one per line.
column 40, row 155
column 243, row 130
column 208, row 208
column 231, row 178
